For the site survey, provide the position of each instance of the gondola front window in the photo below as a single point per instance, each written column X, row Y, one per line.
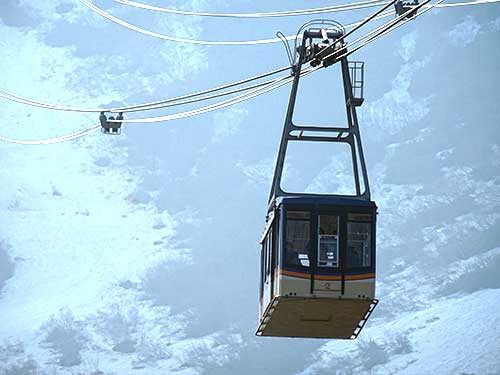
column 297, row 241
column 328, row 241
column 358, row 244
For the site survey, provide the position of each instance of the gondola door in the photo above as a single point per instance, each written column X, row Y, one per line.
column 326, row 255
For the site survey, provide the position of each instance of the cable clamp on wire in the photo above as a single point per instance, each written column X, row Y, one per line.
column 324, row 51
column 112, row 125
column 402, row 7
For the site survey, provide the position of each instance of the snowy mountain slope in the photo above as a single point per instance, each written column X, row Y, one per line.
column 138, row 254
column 78, row 234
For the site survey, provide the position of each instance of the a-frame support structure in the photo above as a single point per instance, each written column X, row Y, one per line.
column 352, row 77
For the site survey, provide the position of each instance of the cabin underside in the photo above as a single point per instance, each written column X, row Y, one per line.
column 315, row 317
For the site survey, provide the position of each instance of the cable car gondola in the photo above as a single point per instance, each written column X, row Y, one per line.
column 318, row 250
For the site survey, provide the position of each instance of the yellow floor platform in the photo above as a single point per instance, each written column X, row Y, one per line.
column 315, row 317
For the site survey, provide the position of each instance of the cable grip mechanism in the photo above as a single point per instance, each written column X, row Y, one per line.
column 402, row 7
column 112, row 125
column 323, row 52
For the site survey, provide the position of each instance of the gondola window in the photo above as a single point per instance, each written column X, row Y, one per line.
column 297, row 243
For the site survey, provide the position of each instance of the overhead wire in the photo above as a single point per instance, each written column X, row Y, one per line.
column 328, row 9
column 176, row 100
column 145, row 106
column 219, row 105
column 138, row 29
column 383, row 30
column 376, row 31
column 258, row 90
column 157, row 104
column 48, row 141
column 393, row 27
column 154, row 105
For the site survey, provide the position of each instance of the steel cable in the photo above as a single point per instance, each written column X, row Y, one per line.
column 130, row 26
column 138, row 29
column 256, row 92
column 394, row 26
column 48, row 141
column 222, row 104
column 20, row 99
column 329, row 9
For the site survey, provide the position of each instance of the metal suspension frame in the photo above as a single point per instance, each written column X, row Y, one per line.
column 298, row 133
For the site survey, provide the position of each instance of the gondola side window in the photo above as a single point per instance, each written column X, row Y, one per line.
column 358, row 244
column 298, row 239
column 328, row 241
column 267, row 247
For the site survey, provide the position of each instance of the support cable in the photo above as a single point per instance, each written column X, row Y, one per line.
column 389, row 29
column 375, row 31
column 219, row 105
column 49, row 141
column 329, row 9
column 162, row 103
column 20, row 99
column 251, row 94
column 138, row 29
column 385, row 29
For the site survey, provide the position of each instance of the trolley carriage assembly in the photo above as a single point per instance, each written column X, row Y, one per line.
column 112, row 127
column 402, row 7
column 318, row 250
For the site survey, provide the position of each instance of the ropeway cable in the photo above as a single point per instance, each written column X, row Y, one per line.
column 238, row 99
column 162, row 103
column 377, row 31
column 328, row 9
column 395, row 26
column 219, row 105
column 20, row 99
column 138, row 29
column 386, row 28
column 49, row 141
column 179, row 100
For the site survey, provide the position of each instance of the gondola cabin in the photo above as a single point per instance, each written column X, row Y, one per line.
column 317, row 267
column 318, row 250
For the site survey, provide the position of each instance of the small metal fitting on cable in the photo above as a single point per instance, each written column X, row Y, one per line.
column 112, row 125
column 402, row 7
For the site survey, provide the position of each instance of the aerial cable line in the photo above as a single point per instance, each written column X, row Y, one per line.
column 329, row 9
column 159, row 104
column 49, row 141
column 138, row 29
column 256, row 92
column 20, row 99
column 178, row 100
column 394, row 26
column 383, row 30
column 377, row 31
column 219, row 105
column 240, row 98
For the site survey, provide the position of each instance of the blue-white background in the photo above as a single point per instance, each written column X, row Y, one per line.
column 138, row 254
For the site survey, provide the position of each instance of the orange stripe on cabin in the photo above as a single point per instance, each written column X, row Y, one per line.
column 301, row 275
column 363, row 276
column 296, row 274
